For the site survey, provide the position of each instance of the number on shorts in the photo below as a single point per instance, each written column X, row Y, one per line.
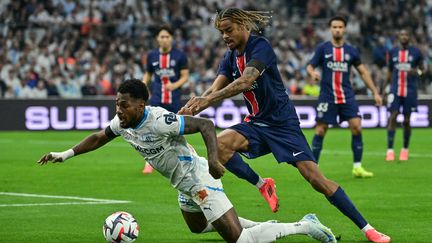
column 322, row 107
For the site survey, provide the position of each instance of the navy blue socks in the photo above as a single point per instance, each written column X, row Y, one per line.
column 390, row 138
column 241, row 169
column 341, row 201
column 357, row 147
column 317, row 146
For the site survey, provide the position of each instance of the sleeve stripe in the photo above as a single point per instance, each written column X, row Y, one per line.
column 185, row 158
column 181, row 132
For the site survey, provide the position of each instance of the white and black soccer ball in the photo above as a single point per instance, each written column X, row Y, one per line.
column 120, row 227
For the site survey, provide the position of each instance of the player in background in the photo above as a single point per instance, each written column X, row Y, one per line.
column 405, row 67
column 169, row 68
column 337, row 98
column 250, row 67
column 157, row 135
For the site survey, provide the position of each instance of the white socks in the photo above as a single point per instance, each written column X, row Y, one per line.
column 260, row 183
column 245, row 223
column 366, row 228
column 269, row 232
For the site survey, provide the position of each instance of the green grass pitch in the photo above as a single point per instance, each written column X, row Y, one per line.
column 397, row 201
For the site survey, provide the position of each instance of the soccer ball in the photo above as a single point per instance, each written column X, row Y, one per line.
column 120, row 227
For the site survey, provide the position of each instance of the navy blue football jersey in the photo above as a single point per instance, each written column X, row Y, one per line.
column 400, row 63
column 267, row 100
column 336, row 65
column 165, row 68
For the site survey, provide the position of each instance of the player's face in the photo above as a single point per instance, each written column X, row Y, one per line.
column 164, row 39
column 234, row 35
column 129, row 110
column 403, row 37
column 337, row 29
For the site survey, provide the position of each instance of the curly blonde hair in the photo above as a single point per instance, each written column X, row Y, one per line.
column 253, row 20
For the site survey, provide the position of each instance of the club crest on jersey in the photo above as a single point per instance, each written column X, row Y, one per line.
column 147, row 137
column 347, row 57
column 338, row 66
column 172, row 63
column 410, row 58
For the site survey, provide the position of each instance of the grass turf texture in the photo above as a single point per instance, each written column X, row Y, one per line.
column 397, row 201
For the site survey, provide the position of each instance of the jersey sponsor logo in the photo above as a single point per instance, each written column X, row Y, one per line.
column 155, row 63
column 165, row 72
column 148, row 151
column 170, row 118
column 403, row 66
column 338, row 66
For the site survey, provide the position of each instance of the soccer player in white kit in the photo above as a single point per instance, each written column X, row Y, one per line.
column 158, row 136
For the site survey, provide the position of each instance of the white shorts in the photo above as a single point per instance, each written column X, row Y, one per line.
column 211, row 201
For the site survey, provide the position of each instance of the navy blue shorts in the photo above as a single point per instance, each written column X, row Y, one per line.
column 408, row 104
column 328, row 112
column 287, row 143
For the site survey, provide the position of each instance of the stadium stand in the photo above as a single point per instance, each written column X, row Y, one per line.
column 71, row 49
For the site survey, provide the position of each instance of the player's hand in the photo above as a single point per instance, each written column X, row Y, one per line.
column 216, row 170
column 54, row 157
column 185, row 111
column 197, row 104
column 170, row 86
column 378, row 99
column 315, row 76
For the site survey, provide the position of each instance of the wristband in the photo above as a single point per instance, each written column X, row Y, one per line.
column 64, row 155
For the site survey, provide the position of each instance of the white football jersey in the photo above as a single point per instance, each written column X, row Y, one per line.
column 159, row 139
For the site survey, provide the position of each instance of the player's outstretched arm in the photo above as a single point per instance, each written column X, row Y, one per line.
column 367, row 79
column 89, row 143
column 243, row 83
column 220, row 82
column 208, row 132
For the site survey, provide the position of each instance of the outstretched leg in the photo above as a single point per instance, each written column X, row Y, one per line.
column 336, row 195
column 231, row 141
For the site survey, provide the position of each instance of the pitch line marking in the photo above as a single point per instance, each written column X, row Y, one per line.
column 85, row 200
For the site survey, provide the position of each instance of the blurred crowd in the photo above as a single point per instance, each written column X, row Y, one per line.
column 71, row 48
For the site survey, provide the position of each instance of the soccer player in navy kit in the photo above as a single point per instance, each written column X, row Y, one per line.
column 169, row 68
column 336, row 97
column 250, row 67
column 405, row 66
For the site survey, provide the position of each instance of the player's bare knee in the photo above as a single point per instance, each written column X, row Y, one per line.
column 321, row 130
column 406, row 123
column 356, row 130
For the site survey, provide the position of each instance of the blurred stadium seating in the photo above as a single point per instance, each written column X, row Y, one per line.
column 71, row 48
